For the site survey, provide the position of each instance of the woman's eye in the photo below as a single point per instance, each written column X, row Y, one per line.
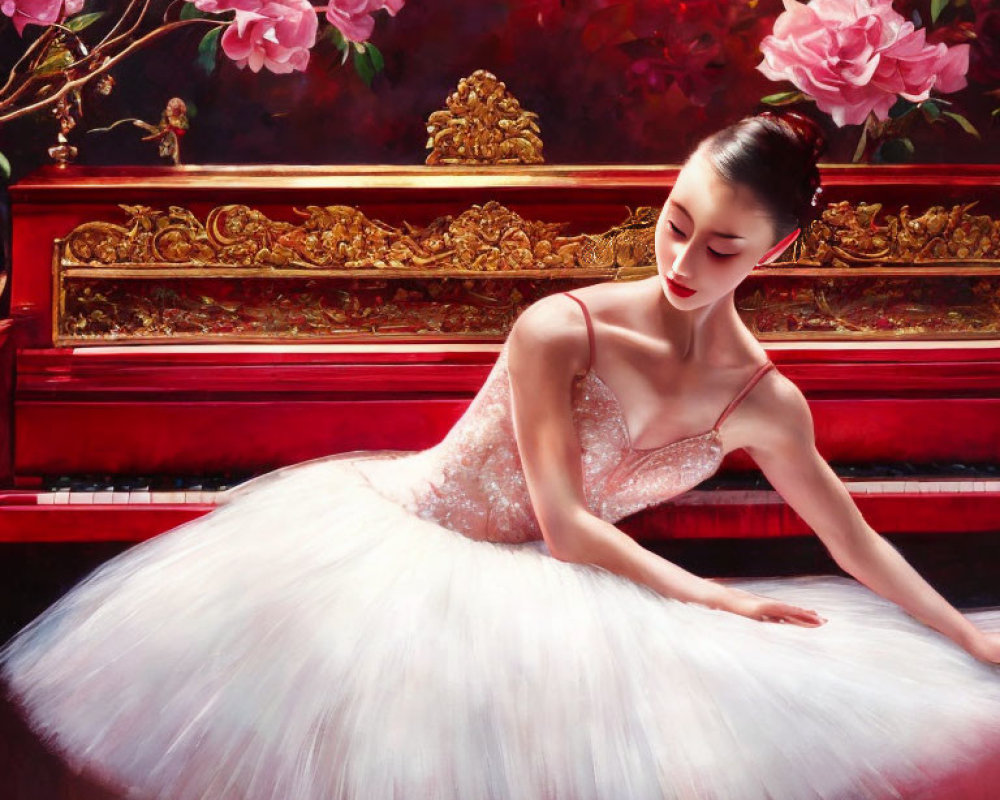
column 720, row 255
column 715, row 254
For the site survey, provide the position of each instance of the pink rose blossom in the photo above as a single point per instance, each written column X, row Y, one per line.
column 276, row 34
column 219, row 6
column 353, row 17
column 855, row 56
column 38, row 12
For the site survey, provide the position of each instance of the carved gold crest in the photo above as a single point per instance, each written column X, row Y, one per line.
column 483, row 123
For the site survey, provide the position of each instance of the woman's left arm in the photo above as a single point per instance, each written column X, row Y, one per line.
column 783, row 446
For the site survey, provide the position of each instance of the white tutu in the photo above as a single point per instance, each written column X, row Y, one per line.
column 312, row 639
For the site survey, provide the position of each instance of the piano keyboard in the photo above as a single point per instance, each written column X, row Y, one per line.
column 893, row 498
column 111, row 490
column 68, row 497
column 919, row 486
column 727, row 488
column 731, row 496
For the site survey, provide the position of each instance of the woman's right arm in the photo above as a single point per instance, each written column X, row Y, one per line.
column 547, row 346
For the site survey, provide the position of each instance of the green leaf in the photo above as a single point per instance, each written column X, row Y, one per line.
column 783, row 98
column 208, row 49
column 334, row 35
column 937, row 6
column 967, row 126
column 895, row 151
column 4, row 168
column 56, row 59
column 930, row 110
column 376, row 56
column 81, row 21
column 363, row 66
column 901, row 108
column 191, row 11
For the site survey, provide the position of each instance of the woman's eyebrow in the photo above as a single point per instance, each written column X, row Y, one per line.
column 714, row 233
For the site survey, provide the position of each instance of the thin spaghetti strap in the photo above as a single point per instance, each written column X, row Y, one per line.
column 590, row 328
column 743, row 392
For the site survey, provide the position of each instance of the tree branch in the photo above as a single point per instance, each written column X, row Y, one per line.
column 156, row 33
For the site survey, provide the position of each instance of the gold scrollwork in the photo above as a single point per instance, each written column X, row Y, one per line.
column 487, row 238
column 337, row 273
column 849, row 235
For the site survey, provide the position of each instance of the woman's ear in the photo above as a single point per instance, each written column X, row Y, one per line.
column 779, row 248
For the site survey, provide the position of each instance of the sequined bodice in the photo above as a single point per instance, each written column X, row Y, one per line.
column 472, row 481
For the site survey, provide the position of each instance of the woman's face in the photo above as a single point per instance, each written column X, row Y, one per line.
column 709, row 236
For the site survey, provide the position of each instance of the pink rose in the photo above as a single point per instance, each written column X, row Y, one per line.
column 38, row 12
column 276, row 34
column 218, row 6
column 855, row 56
column 353, row 17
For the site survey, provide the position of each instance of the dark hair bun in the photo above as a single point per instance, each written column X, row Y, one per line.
column 805, row 128
column 775, row 154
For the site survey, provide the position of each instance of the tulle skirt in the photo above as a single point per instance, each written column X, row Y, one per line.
column 311, row 638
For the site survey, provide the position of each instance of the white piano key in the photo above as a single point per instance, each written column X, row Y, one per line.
column 170, row 498
column 139, row 497
column 60, row 498
column 119, row 498
column 200, row 496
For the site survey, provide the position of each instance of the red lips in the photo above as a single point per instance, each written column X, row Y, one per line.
column 680, row 289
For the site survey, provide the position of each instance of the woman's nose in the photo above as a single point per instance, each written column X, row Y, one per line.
column 682, row 260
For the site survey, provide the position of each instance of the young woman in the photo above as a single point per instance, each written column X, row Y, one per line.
column 468, row 622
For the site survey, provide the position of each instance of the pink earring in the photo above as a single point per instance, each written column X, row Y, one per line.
column 779, row 247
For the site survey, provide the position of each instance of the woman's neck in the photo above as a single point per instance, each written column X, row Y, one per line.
column 712, row 334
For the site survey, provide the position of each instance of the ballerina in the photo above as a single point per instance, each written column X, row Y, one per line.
column 676, row 347
column 467, row 621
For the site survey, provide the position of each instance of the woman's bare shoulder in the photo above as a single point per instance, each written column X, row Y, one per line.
column 610, row 299
column 550, row 331
column 776, row 411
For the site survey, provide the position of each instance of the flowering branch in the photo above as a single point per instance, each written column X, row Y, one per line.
column 273, row 34
column 74, row 83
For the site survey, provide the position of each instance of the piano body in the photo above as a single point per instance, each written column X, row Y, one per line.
column 176, row 330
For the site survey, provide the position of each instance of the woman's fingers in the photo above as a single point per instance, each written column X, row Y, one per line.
column 784, row 612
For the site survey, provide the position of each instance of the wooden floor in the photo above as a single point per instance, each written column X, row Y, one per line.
column 964, row 568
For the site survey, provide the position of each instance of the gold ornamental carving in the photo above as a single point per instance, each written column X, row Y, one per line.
column 487, row 238
column 483, row 123
column 493, row 238
column 851, row 235
column 166, row 275
column 625, row 247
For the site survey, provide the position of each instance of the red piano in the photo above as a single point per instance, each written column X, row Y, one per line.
column 175, row 331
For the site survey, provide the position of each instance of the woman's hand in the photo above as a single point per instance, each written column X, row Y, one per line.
column 985, row 647
column 767, row 609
